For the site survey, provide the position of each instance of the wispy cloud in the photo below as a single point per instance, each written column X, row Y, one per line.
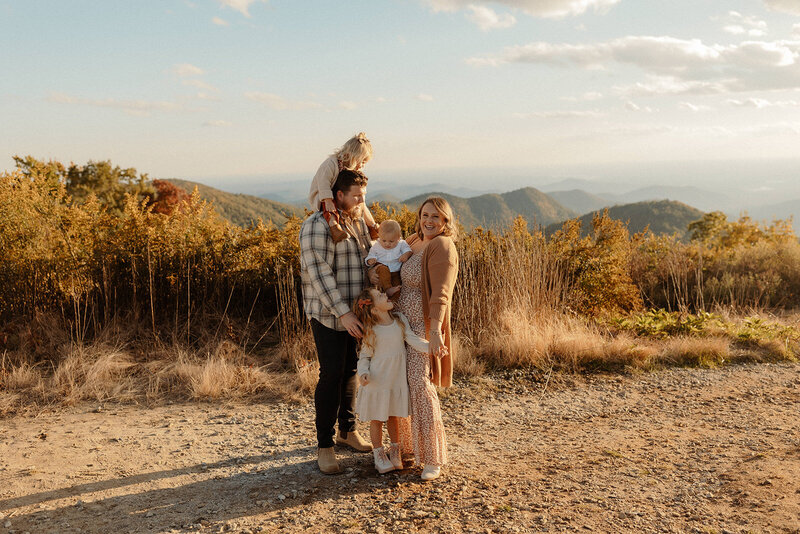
column 280, row 103
column 346, row 104
column 787, row 6
column 536, row 8
column 568, row 114
column 425, row 97
column 749, row 65
column 694, row 108
column 141, row 108
column 217, row 124
column 220, row 22
column 488, row 19
column 242, row 6
column 588, row 96
column 184, row 70
column 761, row 103
column 633, row 106
column 739, row 24
column 200, row 84
column 668, row 85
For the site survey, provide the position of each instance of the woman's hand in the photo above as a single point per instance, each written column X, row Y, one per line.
column 437, row 344
column 364, row 379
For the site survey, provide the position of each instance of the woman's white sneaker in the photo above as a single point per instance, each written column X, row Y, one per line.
column 430, row 472
column 382, row 463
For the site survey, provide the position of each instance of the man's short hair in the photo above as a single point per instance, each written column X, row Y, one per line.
column 348, row 179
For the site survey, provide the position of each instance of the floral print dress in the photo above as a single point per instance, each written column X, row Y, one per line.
column 425, row 430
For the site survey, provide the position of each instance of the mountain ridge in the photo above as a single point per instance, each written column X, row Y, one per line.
column 492, row 209
column 239, row 208
column 660, row 216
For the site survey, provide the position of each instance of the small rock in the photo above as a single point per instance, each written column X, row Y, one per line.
column 150, row 514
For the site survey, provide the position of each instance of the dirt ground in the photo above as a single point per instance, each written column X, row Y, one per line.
column 680, row 450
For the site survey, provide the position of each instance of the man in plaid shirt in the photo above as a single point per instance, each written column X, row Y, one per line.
column 333, row 275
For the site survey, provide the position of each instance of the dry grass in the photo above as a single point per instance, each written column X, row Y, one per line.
column 119, row 368
column 696, row 351
column 553, row 340
column 466, row 362
column 198, row 292
column 114, row 368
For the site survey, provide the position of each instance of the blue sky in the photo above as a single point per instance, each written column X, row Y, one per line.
column 220, row 88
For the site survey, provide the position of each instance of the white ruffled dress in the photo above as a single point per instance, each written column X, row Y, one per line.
column 386, row 394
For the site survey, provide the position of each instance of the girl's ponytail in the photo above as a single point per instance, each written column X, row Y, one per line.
column 362, row 308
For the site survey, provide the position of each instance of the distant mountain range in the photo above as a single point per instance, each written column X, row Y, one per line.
column 578, row 200
column 241, row 209
column 782, row 210
column 492, row 210
column 488, row 210
column 662, row 217
column 296, row 192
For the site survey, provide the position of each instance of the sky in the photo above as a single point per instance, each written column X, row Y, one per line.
column 215, row 89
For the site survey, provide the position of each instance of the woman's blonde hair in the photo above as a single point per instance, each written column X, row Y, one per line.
column 355, row 152
column 363, row 308
column 444, row 209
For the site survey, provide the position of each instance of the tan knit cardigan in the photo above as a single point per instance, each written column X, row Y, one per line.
column 439, row 272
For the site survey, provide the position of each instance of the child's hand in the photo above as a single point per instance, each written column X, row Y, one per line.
column 364, row 379
column 371, row 262
column 328, row 204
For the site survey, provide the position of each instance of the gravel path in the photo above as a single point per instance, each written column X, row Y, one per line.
column 681, row 450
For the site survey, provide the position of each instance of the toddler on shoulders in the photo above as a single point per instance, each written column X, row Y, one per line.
column 353, row 155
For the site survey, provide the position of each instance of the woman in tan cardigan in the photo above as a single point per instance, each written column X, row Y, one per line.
column 429, row 277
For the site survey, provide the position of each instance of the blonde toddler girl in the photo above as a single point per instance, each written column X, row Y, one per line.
column 383, row 395
column 353, row 155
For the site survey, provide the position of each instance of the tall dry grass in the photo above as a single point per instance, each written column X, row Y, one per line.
column 138, row 306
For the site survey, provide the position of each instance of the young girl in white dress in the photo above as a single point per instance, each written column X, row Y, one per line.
column 383, row 395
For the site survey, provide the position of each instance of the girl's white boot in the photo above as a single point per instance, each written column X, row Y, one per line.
column 382, row 463
column 394, row 456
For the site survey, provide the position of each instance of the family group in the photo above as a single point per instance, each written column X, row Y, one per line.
column 379, row 307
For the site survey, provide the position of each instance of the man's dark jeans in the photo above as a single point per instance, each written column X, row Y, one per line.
column 335, row 396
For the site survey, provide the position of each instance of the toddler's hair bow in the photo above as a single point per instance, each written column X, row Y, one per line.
column 363, row 302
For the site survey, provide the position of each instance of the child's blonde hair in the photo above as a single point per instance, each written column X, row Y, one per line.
column 356, row 151
column 363, row 308
column 390, row 227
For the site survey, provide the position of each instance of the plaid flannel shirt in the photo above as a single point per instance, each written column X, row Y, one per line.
column 333, row 275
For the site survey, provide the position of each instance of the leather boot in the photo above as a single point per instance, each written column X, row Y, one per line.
column 353, row 440
column 326, row 460
column 337, row 233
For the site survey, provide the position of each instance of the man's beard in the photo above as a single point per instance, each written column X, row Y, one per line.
column 353, row 213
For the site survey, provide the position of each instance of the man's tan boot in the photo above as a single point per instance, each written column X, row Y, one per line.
column 326, row 460
column 353, row 440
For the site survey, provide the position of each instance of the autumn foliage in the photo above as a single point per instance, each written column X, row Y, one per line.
column 88, row 249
